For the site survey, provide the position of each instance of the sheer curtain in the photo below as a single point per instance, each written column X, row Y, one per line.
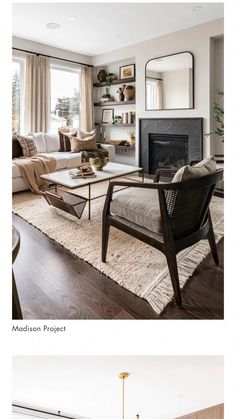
column 86, row 106
column 37, row 93
column 154, row 92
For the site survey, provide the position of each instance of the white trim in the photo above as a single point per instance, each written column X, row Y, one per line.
column 20, row 59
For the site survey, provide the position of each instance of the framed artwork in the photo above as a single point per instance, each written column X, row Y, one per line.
column 127, row 71
column 107, row 116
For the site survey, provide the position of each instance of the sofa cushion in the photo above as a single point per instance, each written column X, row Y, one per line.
column 16, row 147
column 52, row 142
column 204, row 167
column 64, row 138
column 139, row 206
column 61, row 160
column 39, row 141
column 73, row 159
column 28, row 145
column 84, row 134
column 83, row 144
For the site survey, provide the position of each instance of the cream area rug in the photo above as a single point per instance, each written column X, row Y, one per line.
column 134, row 265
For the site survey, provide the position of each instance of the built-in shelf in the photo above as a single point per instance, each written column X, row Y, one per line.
column 125, row 102
column 118, row 81
column 97, row 124
column 125, row 147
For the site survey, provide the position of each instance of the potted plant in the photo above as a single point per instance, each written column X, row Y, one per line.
column 109, row 78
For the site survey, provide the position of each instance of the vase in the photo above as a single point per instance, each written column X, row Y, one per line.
column 102, row 75
column 129, row 92
column 98, row 163
column 121, row 96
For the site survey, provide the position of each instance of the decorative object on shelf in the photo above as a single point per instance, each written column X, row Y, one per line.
column 127, row 71
column 123, row 376
column 121, row 92
column 109, row 78
column 102, row 74
column 129, row 92
column 107, row 116
column 117, row 119
column 128, row 117
column 131, row 137
column 98, row 163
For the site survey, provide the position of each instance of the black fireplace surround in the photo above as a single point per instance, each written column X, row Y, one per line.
column 169, row 143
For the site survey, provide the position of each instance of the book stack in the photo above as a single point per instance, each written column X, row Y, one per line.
column 128, row 117
column 83, row 171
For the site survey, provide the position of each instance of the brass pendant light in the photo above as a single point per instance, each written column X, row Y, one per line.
column 123, row 376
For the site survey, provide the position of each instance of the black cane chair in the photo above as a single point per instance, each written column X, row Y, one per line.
column 184, row 217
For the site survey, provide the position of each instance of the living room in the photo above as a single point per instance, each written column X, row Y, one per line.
column 85, row 98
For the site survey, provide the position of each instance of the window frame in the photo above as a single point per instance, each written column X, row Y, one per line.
column 69, row 68
column 21, row 60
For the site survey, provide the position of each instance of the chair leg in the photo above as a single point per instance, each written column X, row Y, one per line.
column 105, row 236
column 212, row 242
column 174, row 276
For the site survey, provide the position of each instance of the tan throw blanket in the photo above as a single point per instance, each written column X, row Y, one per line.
column 31, row 168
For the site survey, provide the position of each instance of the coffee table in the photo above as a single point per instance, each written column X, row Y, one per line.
column 74, row 204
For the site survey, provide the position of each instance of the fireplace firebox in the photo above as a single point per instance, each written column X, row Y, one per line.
column 167, row 151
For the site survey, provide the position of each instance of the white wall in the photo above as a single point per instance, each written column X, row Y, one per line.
column 195, row 40
column 175, row 89
column 48, row 50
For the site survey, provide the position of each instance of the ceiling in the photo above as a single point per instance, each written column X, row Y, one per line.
column 102, row 27
column 158, row 387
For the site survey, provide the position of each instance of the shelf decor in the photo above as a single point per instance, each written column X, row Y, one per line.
column 127, row 71
column 107, row 116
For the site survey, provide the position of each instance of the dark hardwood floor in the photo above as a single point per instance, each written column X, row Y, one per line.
column 54, row 284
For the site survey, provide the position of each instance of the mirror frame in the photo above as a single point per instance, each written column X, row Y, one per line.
column 193, row 90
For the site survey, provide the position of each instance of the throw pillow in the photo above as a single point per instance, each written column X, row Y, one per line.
column 86, row 144
column 200, row 169
column 84, row 134
column 64, row 138
column 16, row 147
column 28, row 145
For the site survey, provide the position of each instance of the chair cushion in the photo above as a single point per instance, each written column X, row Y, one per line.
column 204, row 167
column 139, row 206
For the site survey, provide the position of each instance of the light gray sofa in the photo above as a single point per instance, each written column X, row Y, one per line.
column 48, row 144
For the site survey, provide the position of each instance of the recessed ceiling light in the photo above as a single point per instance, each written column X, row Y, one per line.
column 53, row 25
column 71, row 18
column 197, row 8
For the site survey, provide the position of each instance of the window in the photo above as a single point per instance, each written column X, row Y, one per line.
column 17, row 95
column 65, row 97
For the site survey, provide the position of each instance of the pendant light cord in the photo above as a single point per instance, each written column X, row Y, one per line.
column 123, row 397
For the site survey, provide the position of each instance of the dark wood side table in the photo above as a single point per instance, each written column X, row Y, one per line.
column 16, row 308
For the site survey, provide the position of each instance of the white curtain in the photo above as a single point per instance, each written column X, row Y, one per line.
column 86, row 105
column 37, row 94
column 154, row 92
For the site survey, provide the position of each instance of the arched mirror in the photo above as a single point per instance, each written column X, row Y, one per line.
column 169, row 82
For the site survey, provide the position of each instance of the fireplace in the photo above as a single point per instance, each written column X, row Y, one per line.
column 169, row 143
column 167, row 151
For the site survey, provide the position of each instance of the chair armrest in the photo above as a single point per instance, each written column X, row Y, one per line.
column 157, row 176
